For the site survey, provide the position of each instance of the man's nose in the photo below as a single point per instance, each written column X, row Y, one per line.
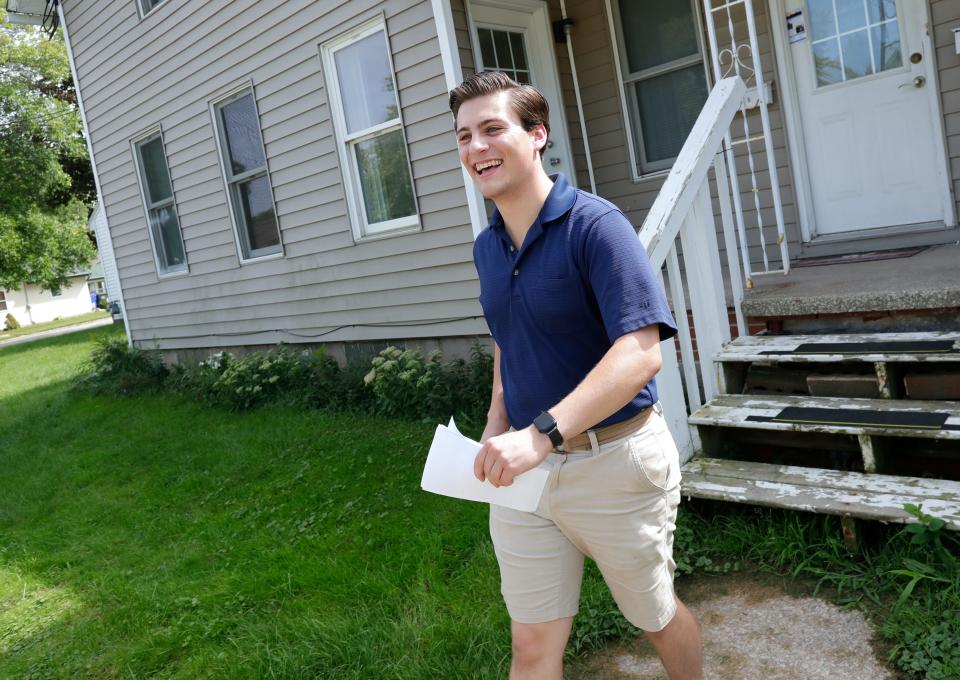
column 477, row 144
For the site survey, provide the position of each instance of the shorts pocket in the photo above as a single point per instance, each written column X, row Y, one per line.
column 656, row 458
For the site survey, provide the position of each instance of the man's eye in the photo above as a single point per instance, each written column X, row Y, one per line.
column 463, row 139
column 495, row 128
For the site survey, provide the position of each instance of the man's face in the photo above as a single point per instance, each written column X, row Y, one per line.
column 499, row 154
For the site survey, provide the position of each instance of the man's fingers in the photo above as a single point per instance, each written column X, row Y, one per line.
column 495, row 473
column 478, row 463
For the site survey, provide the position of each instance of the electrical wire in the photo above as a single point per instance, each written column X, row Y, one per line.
column 309, row 336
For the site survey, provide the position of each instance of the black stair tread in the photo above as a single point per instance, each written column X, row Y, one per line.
column 759, row 412
column 857, row 494
column 892, row 347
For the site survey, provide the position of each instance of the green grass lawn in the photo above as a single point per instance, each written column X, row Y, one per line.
column 152, row 536
column 155, row 536
column 50, row 325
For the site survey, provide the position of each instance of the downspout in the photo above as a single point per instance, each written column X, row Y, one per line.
column 93, row 161
column 567, row 26
column 26, row 303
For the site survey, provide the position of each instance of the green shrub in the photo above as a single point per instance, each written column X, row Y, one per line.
column 11, row 323
column 118, row 368
column 407, row 385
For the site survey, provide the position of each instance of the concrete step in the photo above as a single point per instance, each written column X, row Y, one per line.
column 851, row 494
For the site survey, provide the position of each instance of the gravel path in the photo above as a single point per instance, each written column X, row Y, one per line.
column 752, row 629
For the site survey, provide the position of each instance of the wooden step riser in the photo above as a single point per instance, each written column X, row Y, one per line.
column 877, row 380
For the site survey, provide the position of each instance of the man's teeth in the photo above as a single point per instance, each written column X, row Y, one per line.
column 487, row 164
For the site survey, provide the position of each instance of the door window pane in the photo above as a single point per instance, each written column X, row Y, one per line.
column 258, row 214
column 155, row 169
column 850, row 15
column 822, row 21
column 881, row 10
column 657, row 32
column 856, row 55
column 242, row 131
column 826, row 57
column 166, row 232
column 385, row 177
column 669, row 105
column 504, row 51
column 366, row 84
column 886, row 46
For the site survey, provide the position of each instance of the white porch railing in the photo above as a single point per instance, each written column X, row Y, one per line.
column 683, row 211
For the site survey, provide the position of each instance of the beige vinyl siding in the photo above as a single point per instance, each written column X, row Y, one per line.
column 166, row 69
column 945, row 15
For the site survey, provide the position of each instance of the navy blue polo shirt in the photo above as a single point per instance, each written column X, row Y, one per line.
column 580, row 280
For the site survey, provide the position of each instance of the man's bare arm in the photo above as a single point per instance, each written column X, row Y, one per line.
column 630, row 363
column 497, row 421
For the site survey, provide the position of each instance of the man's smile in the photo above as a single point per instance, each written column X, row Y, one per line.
column 484, row 168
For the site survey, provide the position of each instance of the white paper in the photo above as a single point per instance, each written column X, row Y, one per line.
column 449, row 472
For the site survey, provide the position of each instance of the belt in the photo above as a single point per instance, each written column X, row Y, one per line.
column 610, row 432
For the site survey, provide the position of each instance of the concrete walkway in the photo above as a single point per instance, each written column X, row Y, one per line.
column 54, row 332
column 752, row 628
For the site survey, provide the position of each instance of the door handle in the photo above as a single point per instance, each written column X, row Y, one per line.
column 917, row 82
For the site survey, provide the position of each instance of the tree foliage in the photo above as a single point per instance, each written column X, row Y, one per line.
column 46, row 185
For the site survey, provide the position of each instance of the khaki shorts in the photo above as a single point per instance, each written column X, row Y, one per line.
column 617, row 504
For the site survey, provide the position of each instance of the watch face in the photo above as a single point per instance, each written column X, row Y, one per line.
column 544, row 422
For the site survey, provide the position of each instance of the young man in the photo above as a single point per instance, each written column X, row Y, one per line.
column 577, row 315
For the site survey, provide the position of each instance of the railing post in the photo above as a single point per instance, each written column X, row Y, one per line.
column 670, row 392
column 698, row 238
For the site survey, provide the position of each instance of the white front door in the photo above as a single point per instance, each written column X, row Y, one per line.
column 514, row 37
column 869, row 127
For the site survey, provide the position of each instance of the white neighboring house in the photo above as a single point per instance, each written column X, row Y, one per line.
column 32, row 304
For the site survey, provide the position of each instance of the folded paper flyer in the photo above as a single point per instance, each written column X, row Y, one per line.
column 449, row 472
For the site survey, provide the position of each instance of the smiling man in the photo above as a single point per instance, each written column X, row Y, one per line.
column 577, row 316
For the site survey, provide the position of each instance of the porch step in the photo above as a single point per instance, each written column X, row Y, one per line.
column 835, row 415
column 867, row 347
column 854, row 494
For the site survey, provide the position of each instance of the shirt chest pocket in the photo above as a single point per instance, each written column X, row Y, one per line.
column 556, row 305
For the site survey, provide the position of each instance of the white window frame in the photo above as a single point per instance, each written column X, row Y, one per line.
column 349, row 170
column 163, row 272
column 244, row 253
column 3, row 301
column 141, row 7
column 631, row 117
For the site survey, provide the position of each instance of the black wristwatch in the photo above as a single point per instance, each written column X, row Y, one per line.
column 547, row 424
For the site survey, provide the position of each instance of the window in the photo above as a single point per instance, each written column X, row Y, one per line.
column 244, row 164
column 3, row 301
column 158, row 201
column 147, row 5
column 362, row 93
column 663, row 75
column 853, row 39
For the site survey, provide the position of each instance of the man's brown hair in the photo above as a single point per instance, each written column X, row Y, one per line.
column 526, row 101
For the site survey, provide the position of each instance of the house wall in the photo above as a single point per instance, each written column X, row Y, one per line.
column 74, row 299
column 945, row 16
column 165, row 68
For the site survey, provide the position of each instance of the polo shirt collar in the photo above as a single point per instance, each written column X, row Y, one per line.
column 559, row 201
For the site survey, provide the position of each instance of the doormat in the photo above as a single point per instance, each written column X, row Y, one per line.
column 870, row 256
column 914, row 420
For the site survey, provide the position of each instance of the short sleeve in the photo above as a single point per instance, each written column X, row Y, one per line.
column 628, row 293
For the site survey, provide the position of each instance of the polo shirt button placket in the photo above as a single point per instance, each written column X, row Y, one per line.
column 516, row 272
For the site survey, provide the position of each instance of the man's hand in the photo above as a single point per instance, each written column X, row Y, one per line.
column 507, row 455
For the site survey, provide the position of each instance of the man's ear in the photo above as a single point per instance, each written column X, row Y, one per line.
column 539, row 136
